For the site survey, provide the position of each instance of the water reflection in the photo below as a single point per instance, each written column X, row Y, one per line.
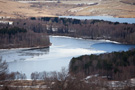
column 35, row 52
column 14, row 55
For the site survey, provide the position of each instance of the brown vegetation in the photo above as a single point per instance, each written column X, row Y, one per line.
column 62, row 81
column 57, row 81
column 29, row 34
column 115, row 65
column 20, row 10
column 114, row 8
column 3, row 69
column 91, row 29
column 22, row 39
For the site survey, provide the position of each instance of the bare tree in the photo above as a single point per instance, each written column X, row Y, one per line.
column 3, row 69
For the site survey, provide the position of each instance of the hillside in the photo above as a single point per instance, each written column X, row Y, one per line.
column 16, row 9
column 115, row 65
column 90, row 29
column 23, row 34
column 114, row 8
column 37, row 8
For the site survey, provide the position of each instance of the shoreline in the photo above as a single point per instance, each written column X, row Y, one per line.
column 37, row 47
column 67, row 36
column 87, row 38
column 106, row 40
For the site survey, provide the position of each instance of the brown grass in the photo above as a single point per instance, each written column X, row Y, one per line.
column 114, row 8
column 20, row 84
column 16, row 9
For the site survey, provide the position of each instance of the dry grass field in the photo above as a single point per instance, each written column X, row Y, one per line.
column 116, row 8
column 23, row 85
column 16, row 9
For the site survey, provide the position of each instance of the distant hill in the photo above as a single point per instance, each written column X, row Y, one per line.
column 16, row 9
column 38, row 8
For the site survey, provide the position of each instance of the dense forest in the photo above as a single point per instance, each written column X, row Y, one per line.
column 87, row 29
column 90, row 29
column 35, row 31
column 115, row 65
column 23, row 35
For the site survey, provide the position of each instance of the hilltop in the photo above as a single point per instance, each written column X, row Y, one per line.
column 38, row 8
column 16, row 9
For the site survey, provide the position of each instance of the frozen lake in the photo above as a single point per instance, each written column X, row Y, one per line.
column 63, row 49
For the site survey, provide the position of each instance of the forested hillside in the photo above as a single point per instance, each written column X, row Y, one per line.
column 37, row 28
column 90, row 29
column 22, row 34
column 115, row 65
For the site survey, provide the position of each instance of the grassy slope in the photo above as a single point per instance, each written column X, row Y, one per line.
column 15, row 9
column 113, row 8
column 104, row 7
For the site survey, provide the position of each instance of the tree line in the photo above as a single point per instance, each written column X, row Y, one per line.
column 87, row 29
column 115, row 65
column 91, row 29
column 23, row 34
column 62, row 80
